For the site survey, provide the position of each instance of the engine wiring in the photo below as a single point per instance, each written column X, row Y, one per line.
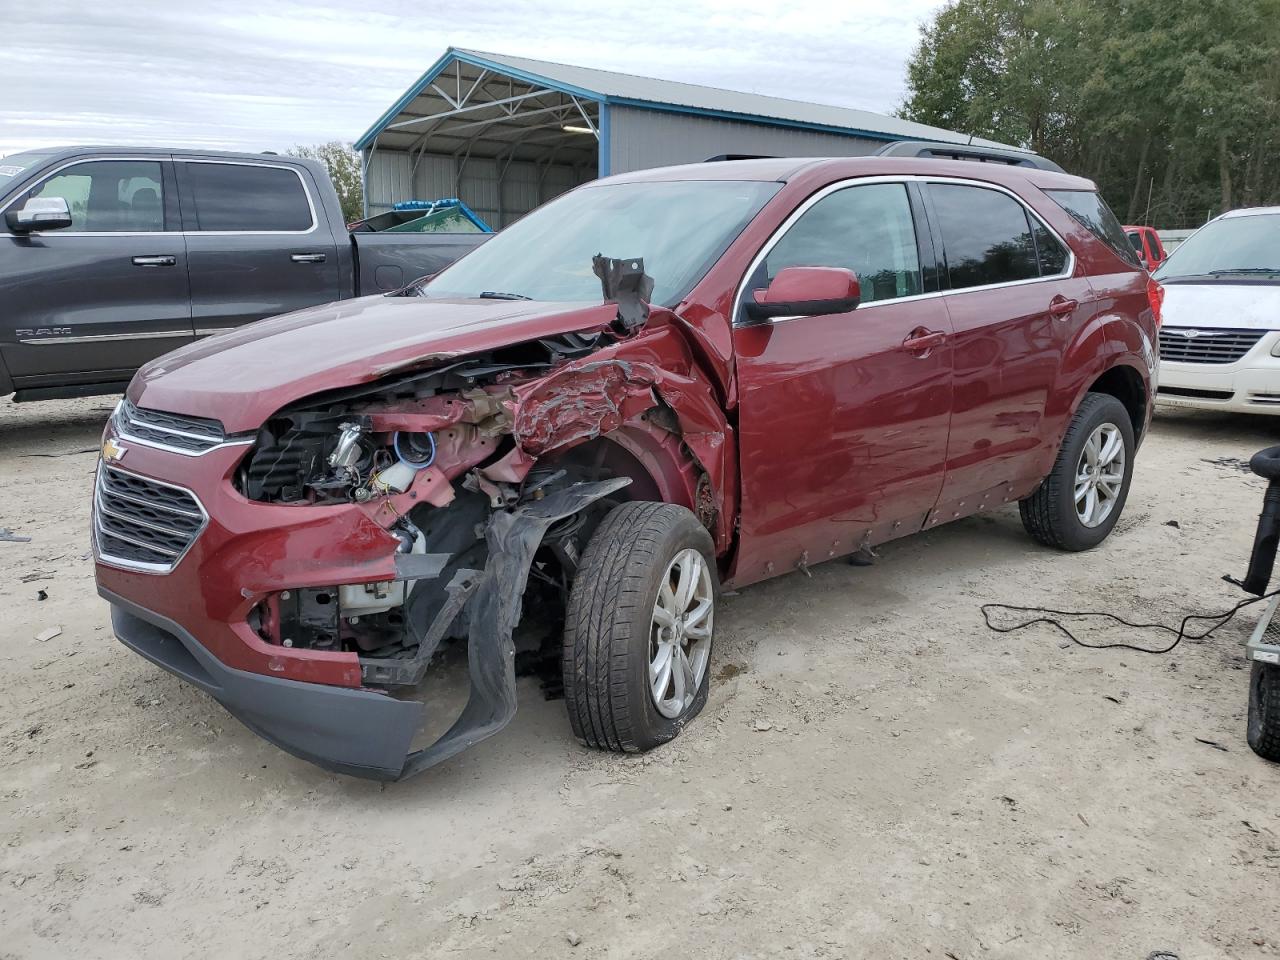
column 1049, row 616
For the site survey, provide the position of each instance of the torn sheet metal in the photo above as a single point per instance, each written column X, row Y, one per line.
column 578, row 403
column 625, row 283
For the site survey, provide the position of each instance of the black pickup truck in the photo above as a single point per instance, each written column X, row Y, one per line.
column 112, row 256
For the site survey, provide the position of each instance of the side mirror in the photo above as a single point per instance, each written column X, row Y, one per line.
column 806, row 292
column 40, row 213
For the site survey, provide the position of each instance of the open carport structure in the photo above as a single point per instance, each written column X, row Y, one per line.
column 506, row 134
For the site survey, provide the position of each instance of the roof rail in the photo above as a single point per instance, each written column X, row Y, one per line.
column 964, row 151
column 719, row 157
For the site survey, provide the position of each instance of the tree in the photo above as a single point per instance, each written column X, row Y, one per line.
column 999, row 69
column 1172, row 106
column 343, row 164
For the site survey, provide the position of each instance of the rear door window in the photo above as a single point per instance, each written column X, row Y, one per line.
column 1092, row 212
column 986, row 235
column 110, row 196
column 246, row 198
column 867, row 229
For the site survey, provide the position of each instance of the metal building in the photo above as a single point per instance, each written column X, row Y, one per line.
column 506, row 134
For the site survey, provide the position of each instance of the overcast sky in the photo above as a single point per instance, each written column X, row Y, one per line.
column 269, row 74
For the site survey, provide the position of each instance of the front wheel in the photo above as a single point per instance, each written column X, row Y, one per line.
column 1080, row 501
column 637, row 639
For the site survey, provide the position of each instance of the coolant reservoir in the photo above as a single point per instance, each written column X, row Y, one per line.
column 363, row 599
column 398, row 477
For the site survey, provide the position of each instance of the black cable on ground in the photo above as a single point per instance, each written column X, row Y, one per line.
column 1048, row 616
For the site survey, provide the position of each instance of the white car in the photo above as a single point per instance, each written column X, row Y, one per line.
column 1220, row 340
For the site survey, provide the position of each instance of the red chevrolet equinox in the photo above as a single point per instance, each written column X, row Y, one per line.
column 655, row 387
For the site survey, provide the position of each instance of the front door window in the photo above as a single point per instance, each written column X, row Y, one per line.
column 110, row 196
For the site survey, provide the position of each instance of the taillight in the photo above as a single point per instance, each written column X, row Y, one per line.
column 1155, row 296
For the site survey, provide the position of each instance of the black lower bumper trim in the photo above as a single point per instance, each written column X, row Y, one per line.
column 356, row 732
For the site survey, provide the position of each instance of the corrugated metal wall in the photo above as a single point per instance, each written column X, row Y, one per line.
column 525, row 185
column 640, row 139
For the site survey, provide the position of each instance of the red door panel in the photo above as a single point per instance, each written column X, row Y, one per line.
column 842, row 431
column 1008, row 348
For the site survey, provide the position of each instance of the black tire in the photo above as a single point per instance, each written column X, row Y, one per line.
column 608, row 626
column 1266, row 463
column 1049, row 514
column 1264, row 711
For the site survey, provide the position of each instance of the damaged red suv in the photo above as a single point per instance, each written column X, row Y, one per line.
column 653, row 387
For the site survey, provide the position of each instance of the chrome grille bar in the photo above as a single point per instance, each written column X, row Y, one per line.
column 143, row 524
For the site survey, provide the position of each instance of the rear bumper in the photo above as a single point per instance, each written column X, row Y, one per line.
column 356, row 732
column 1249, row 385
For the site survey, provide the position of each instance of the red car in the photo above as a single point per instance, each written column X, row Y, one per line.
column 1146, row 244
column 773, row 363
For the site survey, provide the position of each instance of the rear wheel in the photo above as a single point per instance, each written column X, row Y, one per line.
column 1264, row 711
column 638, row 630
column 1079, row 502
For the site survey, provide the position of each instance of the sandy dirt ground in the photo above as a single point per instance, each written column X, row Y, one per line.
column 876, row 774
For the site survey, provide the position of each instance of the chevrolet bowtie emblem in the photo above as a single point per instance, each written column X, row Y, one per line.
column 112, row 451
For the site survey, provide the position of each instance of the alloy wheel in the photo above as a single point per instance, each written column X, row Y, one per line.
column 680, row 633
column 1099, row 475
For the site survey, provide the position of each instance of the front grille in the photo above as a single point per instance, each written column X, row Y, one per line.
column 143, row 523
column 1207, row 346
column 190, row 435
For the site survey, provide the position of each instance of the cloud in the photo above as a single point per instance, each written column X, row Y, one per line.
column 243, row 74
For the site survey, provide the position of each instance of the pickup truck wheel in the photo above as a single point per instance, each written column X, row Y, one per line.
column 1080, row 501
column 637, row 639
column 1263, row 731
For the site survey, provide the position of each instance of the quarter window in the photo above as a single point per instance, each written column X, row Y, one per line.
column 1049, row 250
column 867, row 229
column 242, row 198
column 110, row 196
column 1092, row 212
column 986, row 235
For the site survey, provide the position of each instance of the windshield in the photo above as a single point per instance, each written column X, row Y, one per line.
column 1232, row 250
column 16, row 164
column 680, row 228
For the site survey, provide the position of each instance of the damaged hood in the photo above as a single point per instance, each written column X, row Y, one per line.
column 244, row 376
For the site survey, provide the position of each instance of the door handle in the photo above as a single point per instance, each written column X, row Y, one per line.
column 307, row 258
column 155, row 261
column 921, row 340
column 1061, row 307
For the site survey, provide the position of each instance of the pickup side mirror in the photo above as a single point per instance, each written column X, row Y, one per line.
column 40, row 213
column 806, row 292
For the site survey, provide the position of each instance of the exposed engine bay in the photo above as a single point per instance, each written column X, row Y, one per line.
column 412, row 438
column 439, row 455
